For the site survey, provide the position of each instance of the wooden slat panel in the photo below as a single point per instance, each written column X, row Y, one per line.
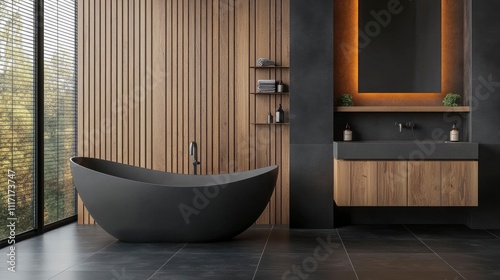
column 125, row 79
column 92, row 89
column 184, row 137
column 224, row 86
column 197, row 82
column 113, row 126
column 82, row 36
column 142, row 81
column 363, row 183
column 191, row 104
column 136, row 101
column 103, row 84
column 155, row 75
column 263, row 133
column 99, row 81
column 210, row 116
column 424, row 183
column 119, row 82
column 131, row 82
column 231, row 85
column 216, row 81
column 459, row 183
column 203, row 86
column 392, row 183
column 106, row 113
column 176, row 46
column 342, row 182
column 149, row 85
column 159, row 84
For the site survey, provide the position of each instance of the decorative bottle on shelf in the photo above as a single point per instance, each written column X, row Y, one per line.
column 454, row 133
column 270, row 118
column 280, row 115
column 281, row 86
column 347, row 133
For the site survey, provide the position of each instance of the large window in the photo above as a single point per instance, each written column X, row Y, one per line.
column 17, row 114
column 19, row 77
column 60, row 108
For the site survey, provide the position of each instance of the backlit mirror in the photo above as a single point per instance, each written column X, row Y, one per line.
column 399, row 46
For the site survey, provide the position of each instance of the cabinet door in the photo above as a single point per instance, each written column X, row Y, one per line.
column 363, row 183
column 459, row 186
column 342, row 182
column 424, row 183
column 392, row 183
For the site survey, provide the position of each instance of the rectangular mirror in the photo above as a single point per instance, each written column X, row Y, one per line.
column 399, row 46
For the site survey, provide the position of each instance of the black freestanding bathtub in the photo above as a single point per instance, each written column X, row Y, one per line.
column 136, row 204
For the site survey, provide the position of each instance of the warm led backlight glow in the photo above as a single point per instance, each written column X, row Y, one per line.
column 346, row 57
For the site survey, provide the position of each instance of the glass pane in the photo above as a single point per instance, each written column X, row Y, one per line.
column 17, row 117
column 60, row 108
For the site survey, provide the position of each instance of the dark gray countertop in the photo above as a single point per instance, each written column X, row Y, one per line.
column 405, row 150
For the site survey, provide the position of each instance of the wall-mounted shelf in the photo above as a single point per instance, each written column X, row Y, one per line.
column 270, row 93
column 270, row 67
column 382, row 109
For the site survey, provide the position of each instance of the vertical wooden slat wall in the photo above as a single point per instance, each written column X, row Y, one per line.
column 155, row 75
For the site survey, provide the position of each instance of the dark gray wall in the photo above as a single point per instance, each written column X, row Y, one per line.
column 311, row 114
column 485, row 115
column 381, row 126
column 312, row 123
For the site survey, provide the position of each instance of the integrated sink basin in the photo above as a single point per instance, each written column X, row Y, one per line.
column 406, row 150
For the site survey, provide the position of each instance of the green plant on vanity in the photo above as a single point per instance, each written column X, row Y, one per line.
column 345, row 100
column 451, row 100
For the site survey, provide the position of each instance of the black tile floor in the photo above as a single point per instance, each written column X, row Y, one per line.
column 424, row 252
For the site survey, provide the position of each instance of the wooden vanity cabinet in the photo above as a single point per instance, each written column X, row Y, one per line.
column 405, row 183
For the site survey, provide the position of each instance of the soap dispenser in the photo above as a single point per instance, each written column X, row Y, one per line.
column 281, row 87
column 280, row 115
column 454, row 133
column 270, row 118
column 347, row 133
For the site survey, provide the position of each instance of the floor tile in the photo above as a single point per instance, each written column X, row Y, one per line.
column 142, row 248
column 113, row 274
column 209, row 275
column 495, row 232
column 448, row 232
column 48, row 262
column 397, row 262
column 320, row 261
column 385, row 246
column 389, row 232
column 313, row 275
column 409, row 275
column 212, row 262
column 27, row 275
column 473, row 261
column 118, row 261
column 464, row 246
column 251, row 241
column 481, row 274
column 376, row 251
column 300, row 241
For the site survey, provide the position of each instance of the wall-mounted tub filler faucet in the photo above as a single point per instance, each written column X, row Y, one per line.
column 406, row 125
column 193, row 151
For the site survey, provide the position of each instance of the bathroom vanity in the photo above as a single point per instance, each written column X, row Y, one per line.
column 405, row 173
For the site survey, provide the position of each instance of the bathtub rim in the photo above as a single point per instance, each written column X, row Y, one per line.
column 249, row 173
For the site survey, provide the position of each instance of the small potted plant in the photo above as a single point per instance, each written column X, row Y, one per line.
column 451, row 100
column 345, row 100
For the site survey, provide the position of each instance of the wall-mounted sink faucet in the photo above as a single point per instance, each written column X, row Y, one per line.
column 405, row 125
column 193, row 151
